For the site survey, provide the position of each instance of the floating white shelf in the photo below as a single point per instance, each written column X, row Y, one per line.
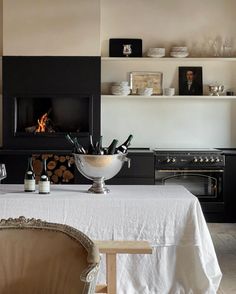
column 169, row 97
column 169, row 59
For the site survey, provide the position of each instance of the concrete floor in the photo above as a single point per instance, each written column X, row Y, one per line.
column 224, row 239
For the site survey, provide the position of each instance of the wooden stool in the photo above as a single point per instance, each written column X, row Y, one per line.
column 111, row 249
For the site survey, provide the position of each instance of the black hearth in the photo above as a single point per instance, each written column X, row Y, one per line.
column 46, row 97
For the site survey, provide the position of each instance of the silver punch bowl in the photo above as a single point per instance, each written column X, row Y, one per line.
column 99, row 168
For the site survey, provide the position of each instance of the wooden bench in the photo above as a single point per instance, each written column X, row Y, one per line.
column 111, row 249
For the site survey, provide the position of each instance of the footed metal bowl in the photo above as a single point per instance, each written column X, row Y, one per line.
column 215, row 90
column 99, row 168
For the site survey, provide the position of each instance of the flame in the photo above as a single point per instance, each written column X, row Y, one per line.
column 41, row 127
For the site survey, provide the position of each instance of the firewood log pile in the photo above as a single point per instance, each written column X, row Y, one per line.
column 60, row 168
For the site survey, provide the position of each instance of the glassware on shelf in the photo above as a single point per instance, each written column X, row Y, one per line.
column 227, row 48
column 215, row 47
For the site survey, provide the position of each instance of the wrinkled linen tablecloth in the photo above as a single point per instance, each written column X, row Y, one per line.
column 170, row 217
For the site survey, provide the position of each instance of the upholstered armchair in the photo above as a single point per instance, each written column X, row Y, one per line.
column 38, row 257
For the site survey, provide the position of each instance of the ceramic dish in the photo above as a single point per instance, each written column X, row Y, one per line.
column 179, row 54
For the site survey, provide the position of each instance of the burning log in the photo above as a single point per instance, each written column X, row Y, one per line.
column 45, row 124
column 41, row 128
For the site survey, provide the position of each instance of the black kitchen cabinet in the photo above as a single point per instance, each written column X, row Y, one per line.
column 141, row 171
column 16, row 166
column 230, row 185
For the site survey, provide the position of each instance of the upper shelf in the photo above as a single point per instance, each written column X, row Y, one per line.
column 170, row 97
column 169, row 59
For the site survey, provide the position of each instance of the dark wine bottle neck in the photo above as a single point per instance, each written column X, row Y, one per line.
column 124, row 147
column 127, row 142
column 30, row 166
column 44, row 170
column 112, row 147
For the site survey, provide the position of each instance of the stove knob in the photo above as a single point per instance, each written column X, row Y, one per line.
column 168, row 160
column 217, row 159
column 206, row 159
column 212, row 160
column 173, row 160
column 195, row 160
column 201, row 159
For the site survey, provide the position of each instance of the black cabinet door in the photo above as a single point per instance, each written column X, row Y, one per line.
column 141, row 171
column 16, row 166
column 230, row 187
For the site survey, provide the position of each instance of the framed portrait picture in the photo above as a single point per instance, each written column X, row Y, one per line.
column 143, row 79
column 190, row 80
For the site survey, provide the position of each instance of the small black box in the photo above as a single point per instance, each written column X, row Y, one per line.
column 116, row 47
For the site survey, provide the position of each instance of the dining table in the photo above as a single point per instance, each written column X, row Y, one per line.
column 169, row 217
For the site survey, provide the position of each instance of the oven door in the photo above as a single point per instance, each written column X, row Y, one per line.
column 205, row 184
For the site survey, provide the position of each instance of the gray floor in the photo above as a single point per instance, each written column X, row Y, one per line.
column 224, row 239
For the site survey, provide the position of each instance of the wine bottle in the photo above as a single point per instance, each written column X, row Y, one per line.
column 99, row 150
column 91, row 149
column 112, row 148
column 44, row 183
column 124, row 147
column 29, row 181
column 71, row 141
column 80, row 149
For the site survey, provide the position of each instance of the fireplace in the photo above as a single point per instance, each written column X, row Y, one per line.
column 53, row 115
column 46, row 97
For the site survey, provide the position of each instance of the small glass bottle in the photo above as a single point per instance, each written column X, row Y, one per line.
column 44, row 183
column 29, row 181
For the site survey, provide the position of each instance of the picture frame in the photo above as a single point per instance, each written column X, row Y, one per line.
column 144, row 79
column 133, row 47
column 190, row 80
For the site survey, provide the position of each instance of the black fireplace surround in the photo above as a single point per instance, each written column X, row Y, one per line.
column 66, row 89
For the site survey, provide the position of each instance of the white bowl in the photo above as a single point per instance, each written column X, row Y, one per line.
column 179, row 54
column 179, row 49
column 122, row 83
column 156, row 55
column 169, row 92
column 145, row 91
column 156, row 51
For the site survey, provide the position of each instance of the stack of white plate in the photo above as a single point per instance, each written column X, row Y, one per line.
column 156, row 52
column 120, row 88
column 179, row 52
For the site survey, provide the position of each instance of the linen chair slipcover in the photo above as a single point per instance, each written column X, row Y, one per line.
column 38, row 257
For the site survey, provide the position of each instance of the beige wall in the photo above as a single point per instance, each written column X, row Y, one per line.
column 1, row 25
column 51, row 27
column 168, row 22
column 163, row 122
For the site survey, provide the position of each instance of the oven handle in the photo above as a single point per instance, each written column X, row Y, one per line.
column 190, row 170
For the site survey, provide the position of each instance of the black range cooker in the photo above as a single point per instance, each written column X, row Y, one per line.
column 199, row 170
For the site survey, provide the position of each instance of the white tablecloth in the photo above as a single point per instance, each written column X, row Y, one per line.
column 170, row 217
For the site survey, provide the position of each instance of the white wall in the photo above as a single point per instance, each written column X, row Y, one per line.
column 170, row 123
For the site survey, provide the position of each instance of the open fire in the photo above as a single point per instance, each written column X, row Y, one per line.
column 44, row 125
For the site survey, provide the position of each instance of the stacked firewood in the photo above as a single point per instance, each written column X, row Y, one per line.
column 60, row 168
